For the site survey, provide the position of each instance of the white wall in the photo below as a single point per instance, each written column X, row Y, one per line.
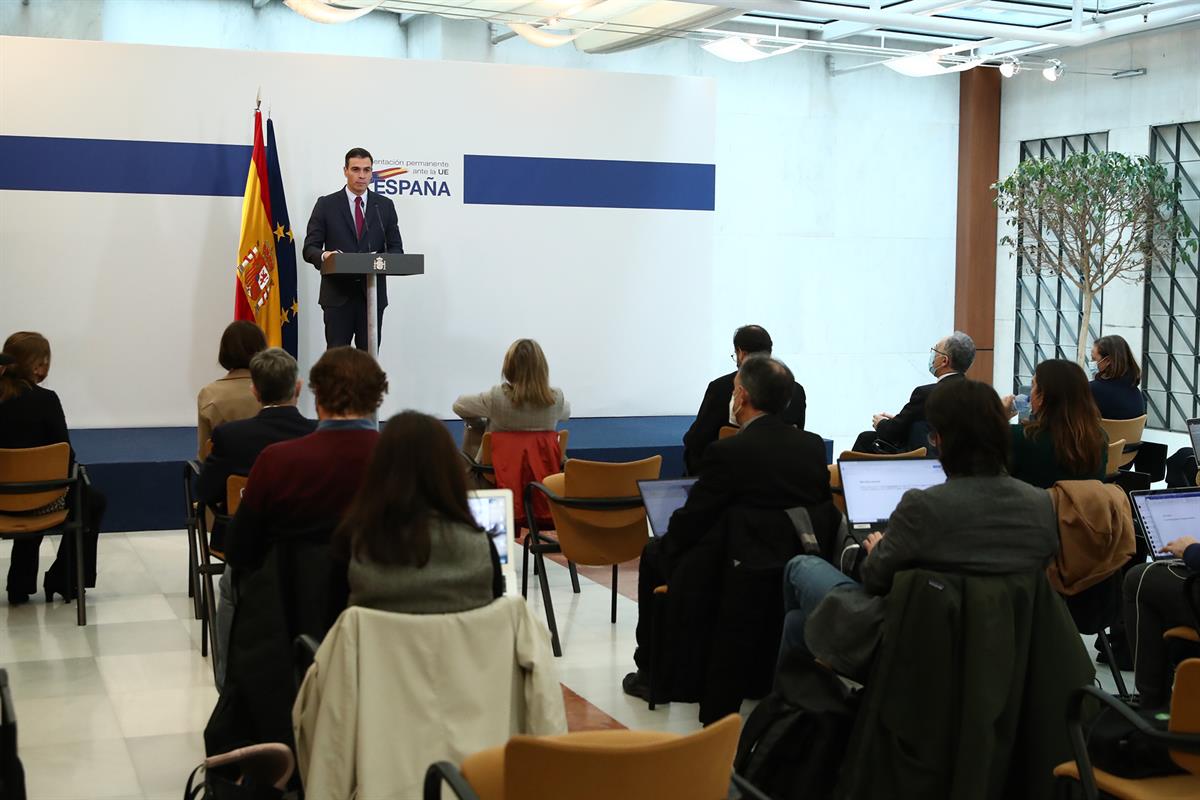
column 1034, row 108
column 836, row 196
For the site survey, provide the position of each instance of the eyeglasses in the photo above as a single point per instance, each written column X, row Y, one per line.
column 733, row 357
column 939, row 352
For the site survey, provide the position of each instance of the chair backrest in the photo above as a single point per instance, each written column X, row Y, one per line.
column 631, row 765
column 234, row 486
column 854, row 455
column 206, row 450
column 29, row 465
column 1185, row 710
column 1128, row 429
column 726, row 431
column 1115, row 451
column 598, row 538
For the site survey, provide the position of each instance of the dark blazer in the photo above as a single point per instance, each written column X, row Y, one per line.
column 332, row 228
column 714, row 413
column 768, row 465
column 896, row 429
column 1118, row 398
column 236, row 445
column 34, row 418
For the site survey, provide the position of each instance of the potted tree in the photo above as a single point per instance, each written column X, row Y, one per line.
column 1091, row 218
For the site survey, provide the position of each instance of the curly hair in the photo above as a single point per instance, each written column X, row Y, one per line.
column 348, row 382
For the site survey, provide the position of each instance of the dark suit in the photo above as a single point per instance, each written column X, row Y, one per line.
column 34, row 418
column 343, row 297
column 898, row 429
column 714, row 413
column 235, row 446
column 769, row 465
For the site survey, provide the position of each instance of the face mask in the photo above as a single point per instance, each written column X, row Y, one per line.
column 1092, row 366
column 933, row 354
column 732, row 415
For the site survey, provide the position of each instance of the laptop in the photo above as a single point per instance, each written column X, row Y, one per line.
column 493, row 510
column 873, row 488
column 1194, row 432
column 661, row 499
column 1167, row 514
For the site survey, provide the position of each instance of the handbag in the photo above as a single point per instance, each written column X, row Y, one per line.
column 1117, row 747
column 257, row 772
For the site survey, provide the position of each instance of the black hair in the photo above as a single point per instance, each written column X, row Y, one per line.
column 357, row 152
column 970, row 422
column 752, row 339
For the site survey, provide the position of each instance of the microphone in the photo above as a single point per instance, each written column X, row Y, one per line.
column 382, row 229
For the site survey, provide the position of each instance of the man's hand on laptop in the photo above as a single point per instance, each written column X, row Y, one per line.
column 1177, row 547
column 872, row 540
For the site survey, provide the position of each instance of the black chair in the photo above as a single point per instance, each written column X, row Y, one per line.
column 1151, row 459
column 192, row 512
column 1095, row 609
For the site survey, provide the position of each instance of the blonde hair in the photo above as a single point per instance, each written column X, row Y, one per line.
column 527, row 375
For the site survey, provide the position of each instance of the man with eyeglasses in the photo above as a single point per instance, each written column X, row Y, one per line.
column 716, row 410
column 948, row 359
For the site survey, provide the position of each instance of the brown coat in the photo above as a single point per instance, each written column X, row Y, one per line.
column 1095, row 534
column 224, row 400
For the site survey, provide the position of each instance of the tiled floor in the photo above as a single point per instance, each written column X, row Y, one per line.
column 116, row 709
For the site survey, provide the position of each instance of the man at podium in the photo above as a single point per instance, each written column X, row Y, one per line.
column 351, row 220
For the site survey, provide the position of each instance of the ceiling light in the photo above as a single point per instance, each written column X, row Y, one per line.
column 1010, row 66
column 321, row 11
column 541, row 37
column 1053, row 69
column 735, row 48
column 1129, row 73
column 926, row 65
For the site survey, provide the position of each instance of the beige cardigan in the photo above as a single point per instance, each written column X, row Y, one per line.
column 389, row 694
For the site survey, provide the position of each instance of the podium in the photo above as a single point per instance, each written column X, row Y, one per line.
column 371, row 265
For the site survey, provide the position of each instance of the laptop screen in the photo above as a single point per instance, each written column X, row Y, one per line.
column 1194, row 430
column 493, row 510
column 873, row 488
column 661, row 498
column 1167, row 514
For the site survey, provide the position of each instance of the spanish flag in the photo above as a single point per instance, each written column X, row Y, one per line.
column 257, row 297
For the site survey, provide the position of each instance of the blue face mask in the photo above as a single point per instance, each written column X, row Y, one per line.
column 1092, row 367
column 933, row 354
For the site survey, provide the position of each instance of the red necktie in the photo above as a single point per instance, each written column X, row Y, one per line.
column 358, row 215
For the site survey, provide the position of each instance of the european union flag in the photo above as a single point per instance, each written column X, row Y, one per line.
column 285, row 251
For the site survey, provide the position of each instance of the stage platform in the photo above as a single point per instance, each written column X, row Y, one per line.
column 141, row 469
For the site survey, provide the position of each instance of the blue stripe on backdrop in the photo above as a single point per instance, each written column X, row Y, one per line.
column 520, row 181
column 54, row 164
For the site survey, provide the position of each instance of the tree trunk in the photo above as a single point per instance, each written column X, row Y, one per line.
column 1085, row 324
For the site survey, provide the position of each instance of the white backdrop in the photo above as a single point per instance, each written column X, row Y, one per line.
column 133, row 290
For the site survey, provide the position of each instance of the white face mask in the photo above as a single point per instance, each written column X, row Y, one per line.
column 933, row 354
column 732, row 415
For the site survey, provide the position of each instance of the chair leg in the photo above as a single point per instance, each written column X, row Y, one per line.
column 204, row 599
column 574, row 577
column 525, row 567
column 80, row 600
column 1118, row 678
column 554, row 641
column 210, row 620
column 614, row 595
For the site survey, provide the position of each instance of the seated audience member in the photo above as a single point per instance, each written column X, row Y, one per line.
column 32, row 416
column 524, row 402
column 716, row 409
column 412, row 544
column 1115, row 387
column 1062, row 440
column 235, row 445
column 1182, row 468
column 1154, row 603
column 948, row 360
column 980, row 520
column 769, row 465
column 230, row 397
column 287, row 580
column 303, row 486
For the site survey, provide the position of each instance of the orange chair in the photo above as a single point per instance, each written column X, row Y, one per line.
column 1188, row 636
column 599, row 520
column 33, row 478
column 727, row 431
column 1129, row 432
column 1182, row 742
column 599, row 765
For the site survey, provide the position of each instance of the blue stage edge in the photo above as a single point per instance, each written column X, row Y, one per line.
column 141, row 469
